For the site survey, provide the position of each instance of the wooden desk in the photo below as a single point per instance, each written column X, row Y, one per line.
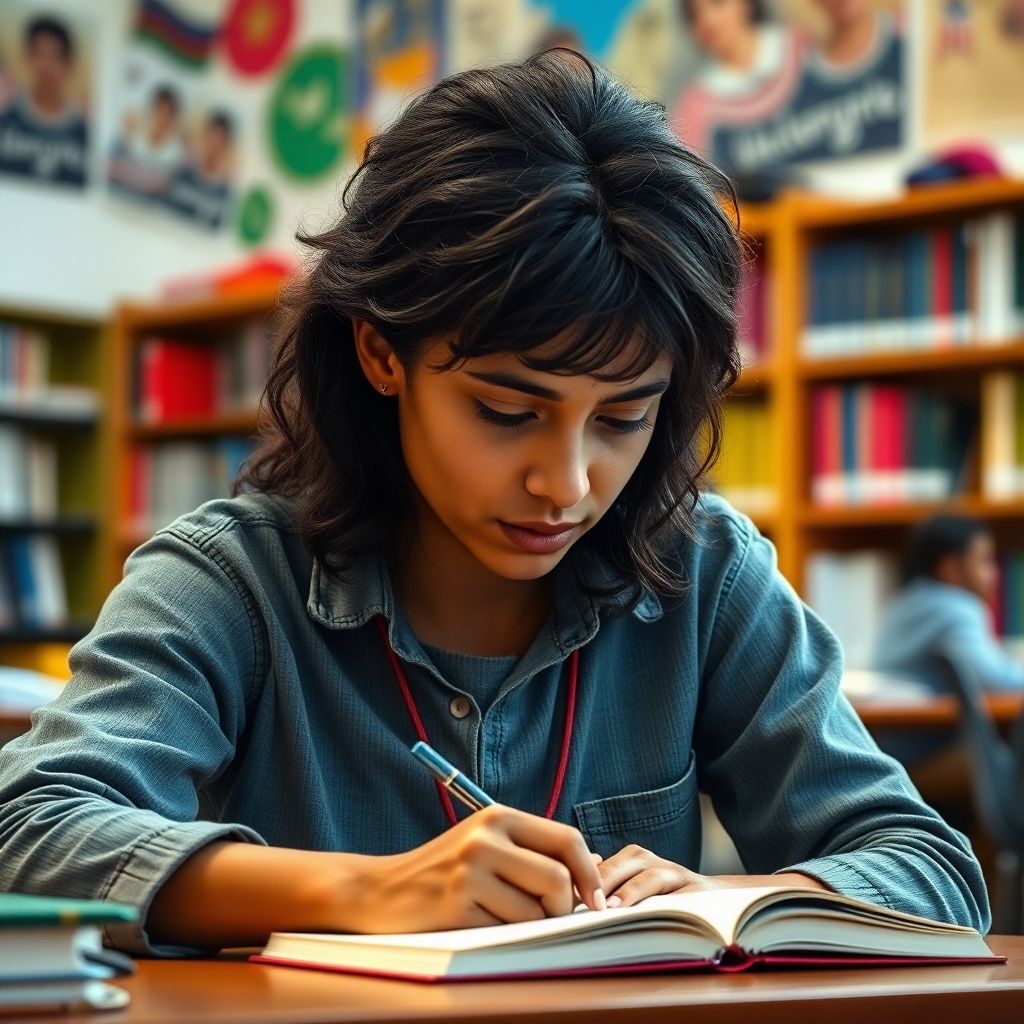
column 934, row 713
column 226, row 990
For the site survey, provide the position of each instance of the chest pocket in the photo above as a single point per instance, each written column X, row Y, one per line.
column 665, row 821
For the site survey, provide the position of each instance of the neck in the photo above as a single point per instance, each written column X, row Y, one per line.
column 47, row 102
column 850, row 39
column 453, row 602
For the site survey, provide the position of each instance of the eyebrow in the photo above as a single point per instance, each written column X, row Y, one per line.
column 528, row 387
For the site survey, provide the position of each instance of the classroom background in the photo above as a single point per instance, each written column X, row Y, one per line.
column 158, row 156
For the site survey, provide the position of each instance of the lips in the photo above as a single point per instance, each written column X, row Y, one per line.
column 540, row 538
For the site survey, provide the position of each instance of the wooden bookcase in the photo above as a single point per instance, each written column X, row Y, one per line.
column 78, row 356
column 206, row 322
column 790, row 227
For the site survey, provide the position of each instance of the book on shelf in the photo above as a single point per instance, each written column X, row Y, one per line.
column 34, row 583
column 52, row 955
column 725, row 929
column 925, row 288
column 179, row 380
column 25, row 385
column 752, row 310
column 28, row 475
column 1002, row 435
column 170, row 478
column 745, row 471
column 875, row 444
column 849, row 590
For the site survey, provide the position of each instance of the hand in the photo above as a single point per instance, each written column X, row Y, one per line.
column 497, row 865
column 635, row 873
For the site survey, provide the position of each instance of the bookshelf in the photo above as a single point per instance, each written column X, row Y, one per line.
column 54, row 519
column 981, row 342
column 187, row 376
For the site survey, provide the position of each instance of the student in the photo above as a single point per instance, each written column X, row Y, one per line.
column 476, row 519
column 952, row 577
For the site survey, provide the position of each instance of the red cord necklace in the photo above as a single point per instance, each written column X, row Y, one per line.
column 421, row 732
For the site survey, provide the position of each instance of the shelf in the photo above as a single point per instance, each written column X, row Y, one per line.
column 48, row 417
column 64, row 525
column 861, row 516
column 230, row 423
column 70, row 633
column 947, row 360
column 954, row 199
column 754, row 379
column 175, row 314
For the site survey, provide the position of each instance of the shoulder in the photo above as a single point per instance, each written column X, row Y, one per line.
column 251, row 537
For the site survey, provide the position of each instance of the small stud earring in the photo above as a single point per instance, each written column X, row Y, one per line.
column 383, row 389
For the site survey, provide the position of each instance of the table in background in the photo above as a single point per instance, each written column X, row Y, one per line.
column 934, row 712
column 229, row 990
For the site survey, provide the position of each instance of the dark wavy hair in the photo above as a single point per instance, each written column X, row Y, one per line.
column 507, row 207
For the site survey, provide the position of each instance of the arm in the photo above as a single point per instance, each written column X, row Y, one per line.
column 99, row 800
column 793, row 774
column 969, row 639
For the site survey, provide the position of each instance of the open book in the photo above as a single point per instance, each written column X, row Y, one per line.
column 727, row 929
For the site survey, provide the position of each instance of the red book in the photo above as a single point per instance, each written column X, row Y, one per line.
column 177, row 380
column 942, row 286
column 826, row 446
column 888, row 443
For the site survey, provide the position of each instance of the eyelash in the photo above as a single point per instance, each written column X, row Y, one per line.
column 512, row 420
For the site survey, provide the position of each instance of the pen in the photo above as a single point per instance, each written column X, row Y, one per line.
column 451, row 778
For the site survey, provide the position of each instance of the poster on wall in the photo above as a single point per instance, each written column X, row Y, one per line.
column 755, row 84
column 175, row 147
column 974, row 70
column 399, row 52
column 766, row 86
column 45, row 87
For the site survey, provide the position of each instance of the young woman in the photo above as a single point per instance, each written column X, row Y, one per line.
column 477, row 520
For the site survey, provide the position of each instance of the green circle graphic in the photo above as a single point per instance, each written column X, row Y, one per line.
column 308, row 112
column 255, row 213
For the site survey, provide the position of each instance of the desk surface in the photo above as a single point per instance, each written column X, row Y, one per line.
column 230, row 991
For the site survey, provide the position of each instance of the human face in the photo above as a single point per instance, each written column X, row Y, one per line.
column 978, row 568
column 48, row 68
column 717, row 25
column 515, row 464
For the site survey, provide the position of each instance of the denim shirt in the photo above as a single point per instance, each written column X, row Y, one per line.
column 231, row 689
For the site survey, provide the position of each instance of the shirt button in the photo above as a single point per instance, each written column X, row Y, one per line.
column 459, row 707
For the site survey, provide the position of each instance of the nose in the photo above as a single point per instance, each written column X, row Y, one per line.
column 560, row 472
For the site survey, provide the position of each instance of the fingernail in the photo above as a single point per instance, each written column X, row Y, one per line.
column 613, row 901
column 599, row 899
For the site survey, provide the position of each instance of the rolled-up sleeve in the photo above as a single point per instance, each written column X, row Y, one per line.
column 794, row 776
column 100, row 799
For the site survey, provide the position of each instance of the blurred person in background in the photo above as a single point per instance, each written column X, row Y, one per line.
column 952, row 576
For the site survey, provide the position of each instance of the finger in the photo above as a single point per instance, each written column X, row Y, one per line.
column 620, row 867
column 563, row 843
column 507, row 902
column 597, row 858
column 543, row 878
column 652, row 882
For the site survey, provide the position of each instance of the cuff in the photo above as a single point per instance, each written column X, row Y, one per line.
column 838, row 874
column 148, row 865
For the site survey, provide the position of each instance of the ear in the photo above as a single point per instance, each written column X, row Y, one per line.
column 378, row 359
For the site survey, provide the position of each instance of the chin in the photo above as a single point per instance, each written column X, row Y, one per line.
column 524, row 566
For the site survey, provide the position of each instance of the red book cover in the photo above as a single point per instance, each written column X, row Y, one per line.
column 942, row 286
column 178, row 380
column 826, row 445
column 888, row 442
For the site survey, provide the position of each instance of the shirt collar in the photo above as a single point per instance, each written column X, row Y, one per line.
column 365, row 592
